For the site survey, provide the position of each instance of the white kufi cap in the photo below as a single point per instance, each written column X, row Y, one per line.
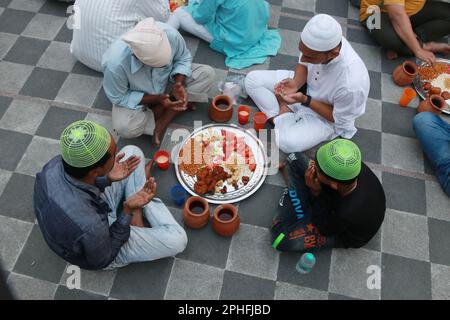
column 322, row 33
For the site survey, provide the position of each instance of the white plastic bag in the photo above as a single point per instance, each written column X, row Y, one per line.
column 233, row 86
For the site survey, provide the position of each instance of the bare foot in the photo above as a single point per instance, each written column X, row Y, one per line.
column 391, row 55
column 162, row 124
column 156, row 140
column 158, row 111
column 437, row 47
column 159, row 132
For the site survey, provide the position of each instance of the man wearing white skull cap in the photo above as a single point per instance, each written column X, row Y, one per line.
column 139, row 68
column 322, row 98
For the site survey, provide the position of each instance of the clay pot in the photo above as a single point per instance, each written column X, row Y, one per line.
column 226, row 220
column 196, row 212
column 405, row 73
column 221, row 109
column 434, row 103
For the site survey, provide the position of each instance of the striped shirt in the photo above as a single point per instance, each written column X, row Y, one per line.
column 104, row 21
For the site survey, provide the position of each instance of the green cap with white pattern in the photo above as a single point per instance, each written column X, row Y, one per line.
column 84, row 143
column 340, row 159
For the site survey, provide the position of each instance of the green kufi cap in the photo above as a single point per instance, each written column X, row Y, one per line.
column 340, row 159
column 84, row 143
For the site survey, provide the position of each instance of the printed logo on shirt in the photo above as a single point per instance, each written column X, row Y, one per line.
column 310, row 237
column 296, row 203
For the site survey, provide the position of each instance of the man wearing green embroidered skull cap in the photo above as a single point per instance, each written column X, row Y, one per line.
column 332, row 201
column 92, row 205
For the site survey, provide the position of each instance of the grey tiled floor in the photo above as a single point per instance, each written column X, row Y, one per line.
column 38, row 79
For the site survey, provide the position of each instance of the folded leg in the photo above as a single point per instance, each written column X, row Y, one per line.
column 301, row 131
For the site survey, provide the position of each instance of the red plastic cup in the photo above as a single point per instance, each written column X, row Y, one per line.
column 243, row 114
column 407, row 96
column 162, row 159
column 259, row 120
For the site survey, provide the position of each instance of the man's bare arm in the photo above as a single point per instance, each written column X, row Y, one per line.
column 402, row 26
column 301, row 75
column 322, row 108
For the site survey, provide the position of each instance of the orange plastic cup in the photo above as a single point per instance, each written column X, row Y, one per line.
column 243, row 115
column 162, row 159
column 259, row 120
column 407, row 96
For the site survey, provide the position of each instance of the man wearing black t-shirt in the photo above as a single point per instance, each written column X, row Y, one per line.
column 332, row 201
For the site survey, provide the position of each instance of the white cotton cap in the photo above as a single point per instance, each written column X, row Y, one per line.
column 149, row 43
column 322, row 33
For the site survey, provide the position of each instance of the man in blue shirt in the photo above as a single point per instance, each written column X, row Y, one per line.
column 91, row 204
column 139, row 67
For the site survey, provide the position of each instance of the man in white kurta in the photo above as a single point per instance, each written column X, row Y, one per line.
column 337, row 82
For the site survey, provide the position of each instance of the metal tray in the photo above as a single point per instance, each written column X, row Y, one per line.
column 418, row 85
column 232, row 196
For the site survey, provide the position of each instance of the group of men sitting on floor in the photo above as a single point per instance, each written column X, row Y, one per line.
column 96, row 206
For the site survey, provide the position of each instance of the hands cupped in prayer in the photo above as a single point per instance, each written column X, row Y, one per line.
column 286, row 86
column 123, row 169
column 142, row 197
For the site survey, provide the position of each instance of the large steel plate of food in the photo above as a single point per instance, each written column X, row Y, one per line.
column 434, row 80
column 222, row 163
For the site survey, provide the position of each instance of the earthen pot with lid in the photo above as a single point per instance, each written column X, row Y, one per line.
column 405, row 73
column 434, row 103
column 226, row 220
column 221, row 109
column 196, row 212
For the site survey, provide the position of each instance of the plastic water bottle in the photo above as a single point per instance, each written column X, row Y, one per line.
column 306, row 263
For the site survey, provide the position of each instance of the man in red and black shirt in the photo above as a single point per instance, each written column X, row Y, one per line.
column 332, row 201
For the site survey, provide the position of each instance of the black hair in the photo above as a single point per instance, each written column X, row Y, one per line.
column 344, row 182
column 80, row 173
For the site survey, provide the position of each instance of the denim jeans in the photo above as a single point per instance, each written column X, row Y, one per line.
column 165, row 237
column 434, row 135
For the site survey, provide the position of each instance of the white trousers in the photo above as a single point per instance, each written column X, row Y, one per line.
column 182, row 19
column 295, row 132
